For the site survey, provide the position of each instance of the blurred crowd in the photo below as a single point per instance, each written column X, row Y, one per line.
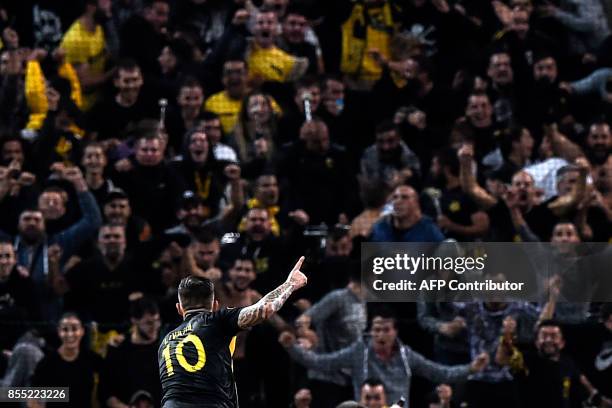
column 142, row 141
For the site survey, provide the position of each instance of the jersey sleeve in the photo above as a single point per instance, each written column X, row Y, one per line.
column 228, row 319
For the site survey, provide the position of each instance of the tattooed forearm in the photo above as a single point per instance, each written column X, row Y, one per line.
column 273, row 301
column 279, row 296
column 250, row 316
column 269, row 304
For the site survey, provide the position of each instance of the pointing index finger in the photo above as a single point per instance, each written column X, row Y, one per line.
column 299, row 263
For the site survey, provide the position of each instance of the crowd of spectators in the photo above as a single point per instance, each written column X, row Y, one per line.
column 142, row 141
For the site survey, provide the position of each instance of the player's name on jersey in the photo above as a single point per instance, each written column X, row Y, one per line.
column 178, row 333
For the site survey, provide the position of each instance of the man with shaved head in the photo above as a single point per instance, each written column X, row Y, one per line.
column 406, row 223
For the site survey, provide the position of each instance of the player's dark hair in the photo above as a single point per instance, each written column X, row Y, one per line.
column 372, row 382
column 143, row 306
column 195, row 292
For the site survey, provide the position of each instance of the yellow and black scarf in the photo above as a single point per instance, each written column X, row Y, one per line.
column 368, row 27
column 272, row 212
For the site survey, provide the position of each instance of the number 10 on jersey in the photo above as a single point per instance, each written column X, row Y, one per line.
column 178, row 352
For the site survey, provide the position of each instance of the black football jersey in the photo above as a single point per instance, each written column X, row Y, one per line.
column 195, row 360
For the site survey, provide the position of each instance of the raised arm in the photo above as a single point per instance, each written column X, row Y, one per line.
column 273, row 301
column 72, row 237
column 231, row 213
column 442, row 373
column 548, row 310
column 469, row 185
column 562, row 146
column 347, row 357
column 567, row 202
column 582, row 20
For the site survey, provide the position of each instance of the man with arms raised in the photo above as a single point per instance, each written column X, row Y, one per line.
column 195, row 360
